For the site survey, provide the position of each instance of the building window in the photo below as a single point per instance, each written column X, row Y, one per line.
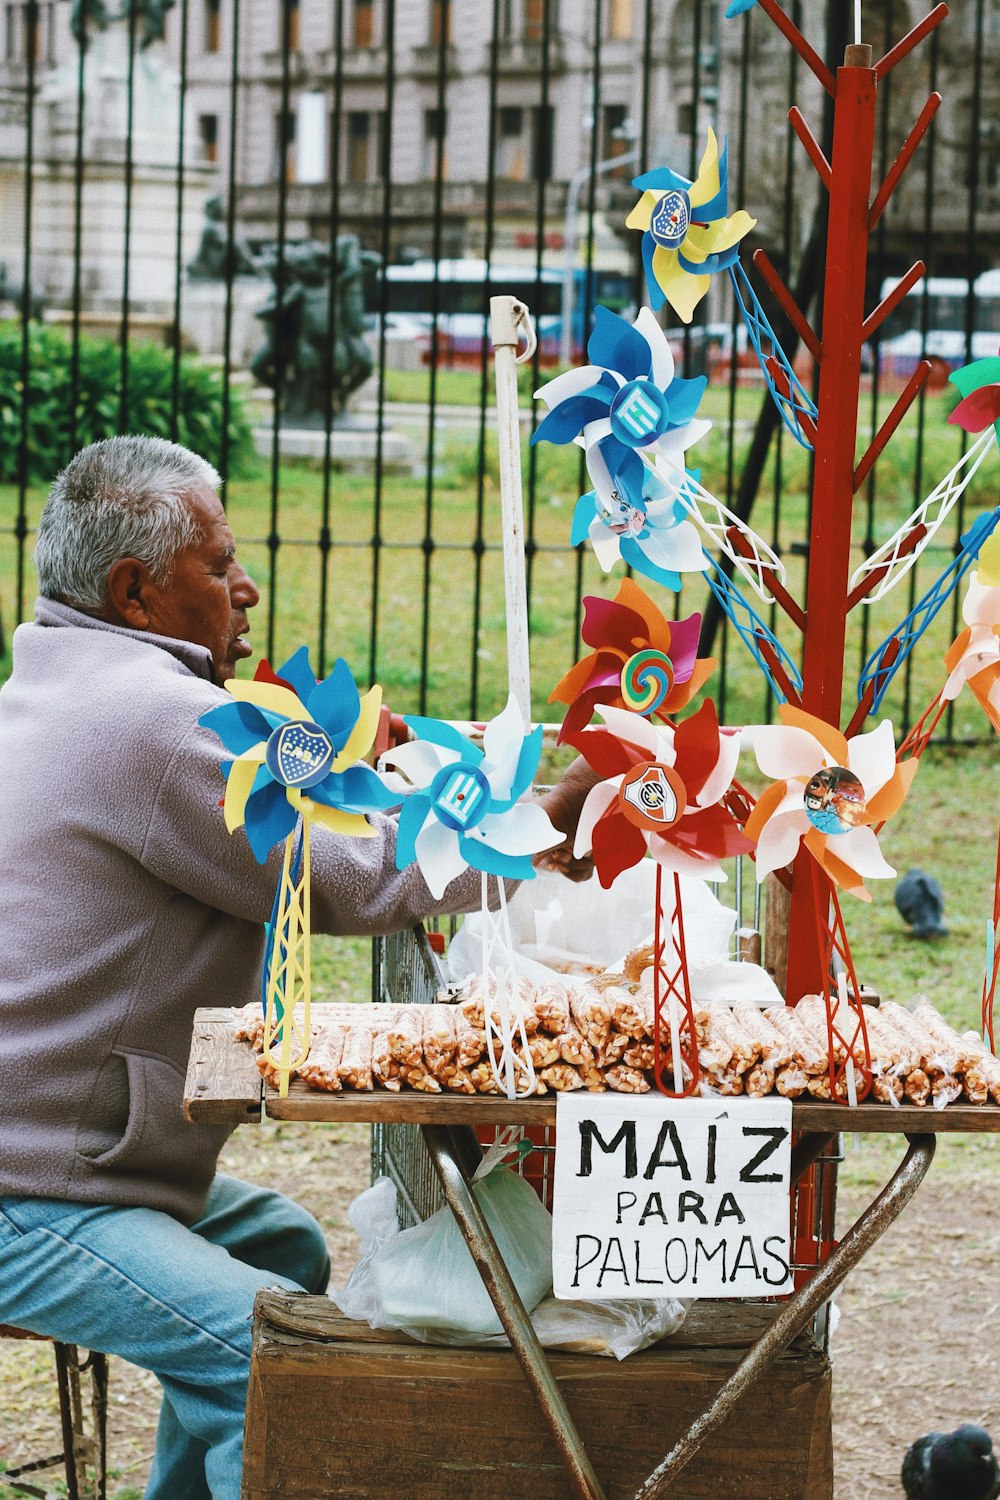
column 440, row 22
column 213, row 26
column 358, row 145
column 290, row 25
column 208, row 135
column 685, row 118
column 616, row 135
column 364, row 23
column 543, row 132
column 533, row 23
column 284, row 145
column 435, row 130
column 511, row 161
column 620, row 20
column 367, row 144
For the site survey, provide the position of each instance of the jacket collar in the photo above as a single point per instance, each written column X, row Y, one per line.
column 196, row 659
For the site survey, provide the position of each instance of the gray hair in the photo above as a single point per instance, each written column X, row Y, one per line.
column 123, row 497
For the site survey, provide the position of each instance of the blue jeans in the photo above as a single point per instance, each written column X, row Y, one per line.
column 175, row 1300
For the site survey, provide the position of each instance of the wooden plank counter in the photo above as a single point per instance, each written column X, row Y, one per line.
column 224, row 1086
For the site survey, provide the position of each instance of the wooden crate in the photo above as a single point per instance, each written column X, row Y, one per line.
column 339, row 1410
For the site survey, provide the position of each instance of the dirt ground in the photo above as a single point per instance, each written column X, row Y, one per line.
column 915, row 1349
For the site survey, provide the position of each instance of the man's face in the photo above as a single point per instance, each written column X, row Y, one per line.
column 209, row 594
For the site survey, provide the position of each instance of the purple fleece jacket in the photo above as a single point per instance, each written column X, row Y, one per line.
column 125, row 905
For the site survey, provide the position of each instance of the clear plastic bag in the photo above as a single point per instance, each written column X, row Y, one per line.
column 424, row 1282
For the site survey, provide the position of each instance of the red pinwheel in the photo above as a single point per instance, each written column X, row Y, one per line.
column 662, row 791
column 641, row 661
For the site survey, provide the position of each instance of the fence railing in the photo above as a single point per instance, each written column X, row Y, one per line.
column 446, row 138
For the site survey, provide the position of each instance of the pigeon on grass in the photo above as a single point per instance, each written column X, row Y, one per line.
column 958, row 1465
column 920, row 901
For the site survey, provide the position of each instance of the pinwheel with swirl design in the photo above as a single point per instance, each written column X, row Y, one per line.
column 641, row 661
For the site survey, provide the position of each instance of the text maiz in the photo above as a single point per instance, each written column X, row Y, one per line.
column 658, row 1197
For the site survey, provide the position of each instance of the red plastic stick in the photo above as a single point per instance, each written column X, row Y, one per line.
column 787, row 302
column 914, row 386
column 842, row 1035
column 899, row 166
column 876, row 318
column 896, row 54
column 792, row 34
column 670, row 980
column 992, row 975
column 814, row 150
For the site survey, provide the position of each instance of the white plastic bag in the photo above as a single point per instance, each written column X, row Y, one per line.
column 424, row 1281
column 558, row 926
column 404, row 1278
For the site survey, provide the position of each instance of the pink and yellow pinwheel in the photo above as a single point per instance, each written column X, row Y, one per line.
column 975, row 656
column 687, row 234
column 827, row 792
column 662, row 792
column 641, row 661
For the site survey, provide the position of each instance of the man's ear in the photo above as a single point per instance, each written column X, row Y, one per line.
column 130, row 591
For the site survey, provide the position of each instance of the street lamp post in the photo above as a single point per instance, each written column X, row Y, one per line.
column 576, row 183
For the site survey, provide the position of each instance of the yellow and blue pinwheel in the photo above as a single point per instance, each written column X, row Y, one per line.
column 627, row 400
column 738, row 7
column 687, row 235
column 465, row 809
column 296, row 744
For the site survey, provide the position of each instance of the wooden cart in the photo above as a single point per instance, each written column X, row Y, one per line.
column 223, row 1085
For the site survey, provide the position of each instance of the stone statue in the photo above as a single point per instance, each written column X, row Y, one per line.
column 90, row 16
column 12, row 293
column 297, row 319
column 216, row 259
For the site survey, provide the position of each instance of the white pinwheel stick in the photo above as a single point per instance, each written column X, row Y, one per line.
column 509, row 320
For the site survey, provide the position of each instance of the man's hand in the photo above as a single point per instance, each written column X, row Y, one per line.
column 563, row 805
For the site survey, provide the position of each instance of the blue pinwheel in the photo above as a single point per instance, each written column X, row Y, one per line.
column 627, row 400
column 296, row 744
column 464, row 809
column 646, row 524
column 738, row 7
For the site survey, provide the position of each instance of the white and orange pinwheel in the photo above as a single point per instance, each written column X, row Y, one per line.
column 826, row 793
column 975, row 656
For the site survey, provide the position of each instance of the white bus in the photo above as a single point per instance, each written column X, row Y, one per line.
column 462, row 295
column 903, row 343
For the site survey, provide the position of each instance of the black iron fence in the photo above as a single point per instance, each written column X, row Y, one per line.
column 373, row 171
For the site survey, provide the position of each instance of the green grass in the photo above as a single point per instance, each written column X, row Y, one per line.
column 425, row 616
column 422, row 627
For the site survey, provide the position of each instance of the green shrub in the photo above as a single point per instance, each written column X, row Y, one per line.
column 150, row 401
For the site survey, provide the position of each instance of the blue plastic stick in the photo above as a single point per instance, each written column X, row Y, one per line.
column 750, row 627
column 766, row 346
column 909, row 630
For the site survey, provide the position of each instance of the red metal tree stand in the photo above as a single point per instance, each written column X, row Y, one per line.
column 816, row 934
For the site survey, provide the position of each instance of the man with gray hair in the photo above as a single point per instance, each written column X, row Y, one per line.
column 126, row 905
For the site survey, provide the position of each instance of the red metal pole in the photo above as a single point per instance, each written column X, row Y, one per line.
column 836, row 440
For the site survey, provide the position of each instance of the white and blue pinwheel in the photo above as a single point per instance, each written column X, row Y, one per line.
column 635, row 420
column 464, row 808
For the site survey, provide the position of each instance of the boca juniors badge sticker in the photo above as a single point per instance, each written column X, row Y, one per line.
column 652, row 797
column 299, row 754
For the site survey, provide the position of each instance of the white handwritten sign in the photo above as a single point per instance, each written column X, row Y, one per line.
column 658, row 1197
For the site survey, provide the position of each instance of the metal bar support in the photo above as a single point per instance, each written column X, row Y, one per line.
column 511, row 1311
column 871, row 1225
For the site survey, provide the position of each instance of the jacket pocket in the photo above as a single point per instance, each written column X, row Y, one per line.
column 155, row 1116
